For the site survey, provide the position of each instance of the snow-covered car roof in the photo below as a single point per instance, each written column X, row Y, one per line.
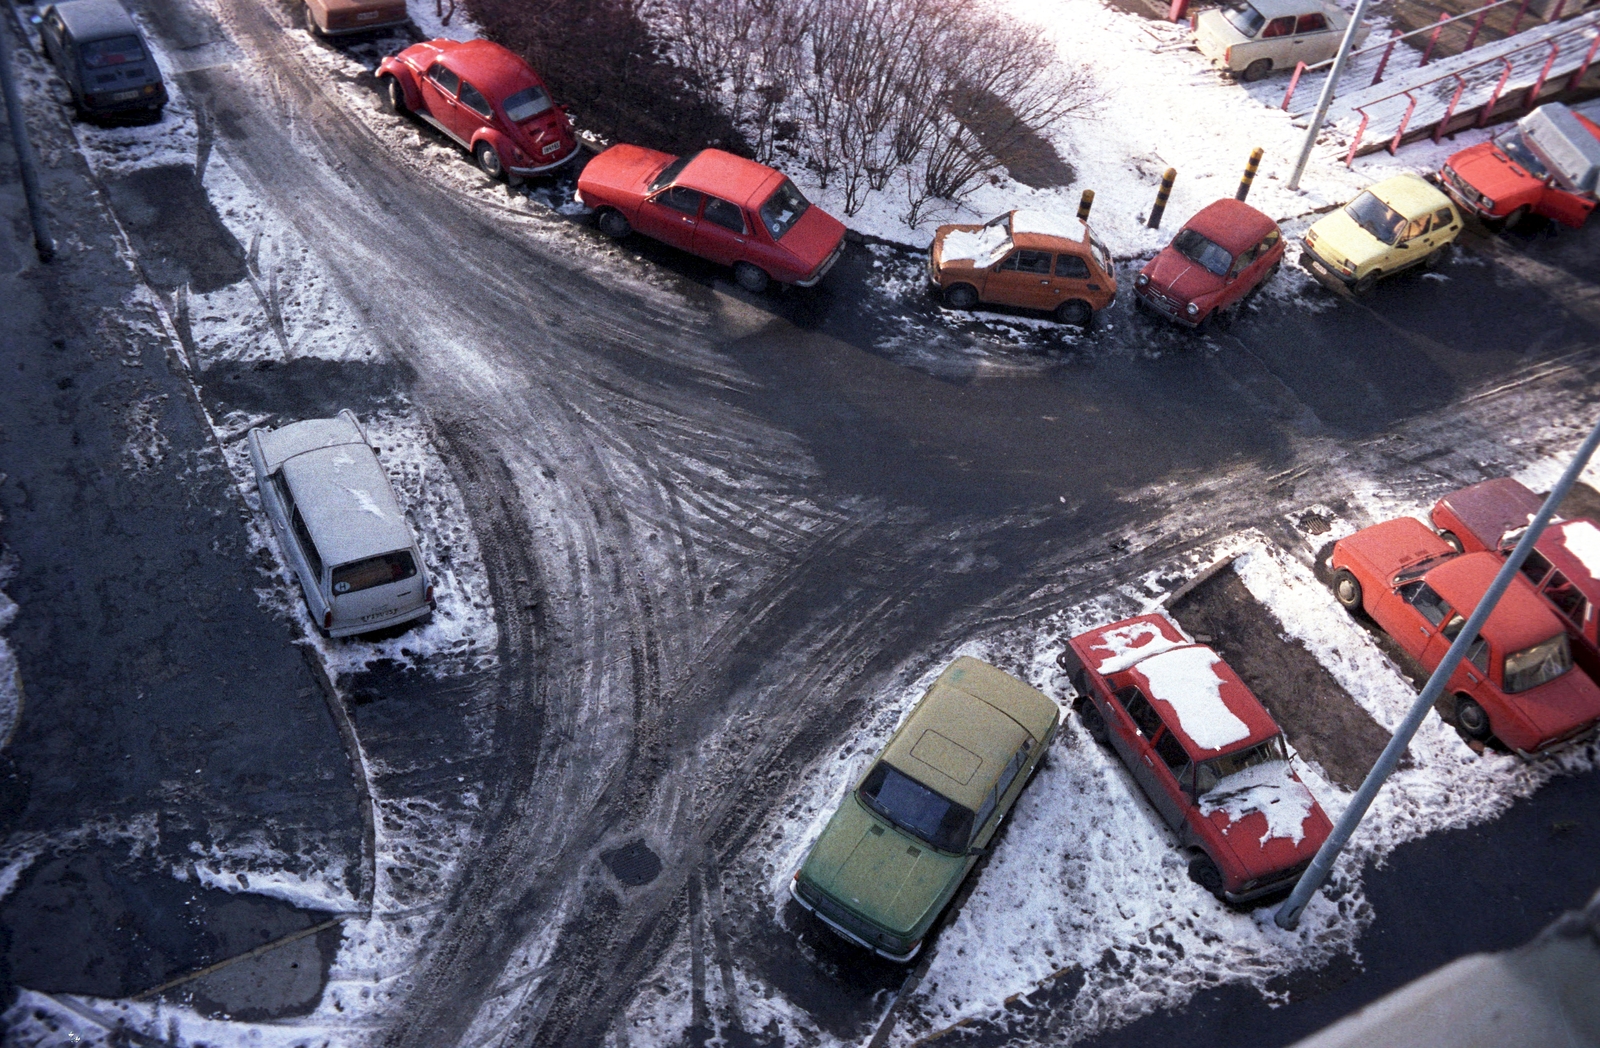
column 1568, row 147
column 96, row 19
column 1279, row 8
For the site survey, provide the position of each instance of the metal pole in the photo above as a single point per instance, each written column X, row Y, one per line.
column 19, row 136
column 1288, row 915
column 1327, row 91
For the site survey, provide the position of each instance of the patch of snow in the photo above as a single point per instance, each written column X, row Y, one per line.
column 982, row 246
column 10, row 672
column 309, row 890
column 1049, row 224
column 364, row 498
column 1580, row 537
column 429, row 18
column 1128, row 644
column 1187, row 680
column 1269, row 788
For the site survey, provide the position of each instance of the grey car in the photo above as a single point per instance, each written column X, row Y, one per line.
column 103, row 57
column 341, row 527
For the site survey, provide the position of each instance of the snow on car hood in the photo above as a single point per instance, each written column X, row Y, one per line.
column 1187, row 680
column 1270, row 789
column 1128, row 644
column 1582, row 540
column 979, row 246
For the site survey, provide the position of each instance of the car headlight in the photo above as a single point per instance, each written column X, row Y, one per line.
column 1486, row 201
column 1142, row 280
column 1191, row 309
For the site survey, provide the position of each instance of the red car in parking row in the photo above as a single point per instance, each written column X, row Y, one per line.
column 1219, row 256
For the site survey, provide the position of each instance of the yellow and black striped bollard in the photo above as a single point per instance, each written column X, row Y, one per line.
column 1085, row 202
column 1161, row 198
column 1249, row 174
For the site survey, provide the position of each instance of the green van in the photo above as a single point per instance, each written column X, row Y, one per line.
column 893, row 855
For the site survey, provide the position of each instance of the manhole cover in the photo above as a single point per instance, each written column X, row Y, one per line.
column 633, row 863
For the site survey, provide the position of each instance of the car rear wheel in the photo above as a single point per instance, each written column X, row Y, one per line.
column 311, row 21
column 489, row 160
column 1093, row 723
column 1347, row 591
column 752, row 278
column 613, row 223
column 1435, row 258
column 1256, row 70
column 1204, row 872
column 1451, row 540
column 396, row 95
column 960, row 296
column 1471, row 718
column 1075, row 312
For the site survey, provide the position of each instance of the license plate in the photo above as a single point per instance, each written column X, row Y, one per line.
column 1318, row 267
column 551, row 148
column 123, row 96
column 367, row 16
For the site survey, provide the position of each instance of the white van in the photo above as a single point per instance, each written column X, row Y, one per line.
column 338, row 521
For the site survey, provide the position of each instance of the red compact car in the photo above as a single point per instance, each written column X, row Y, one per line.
column 486, row 98
column 1205, row 751
column 1545, row 165
column 1517, row 681
column 1564, row 565
column 1216, row 259
column 732, row 211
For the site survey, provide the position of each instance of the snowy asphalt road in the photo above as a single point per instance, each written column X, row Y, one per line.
column 716, row 527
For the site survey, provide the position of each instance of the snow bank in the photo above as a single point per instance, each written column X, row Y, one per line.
column 427, row 16
column 1187, row 680
column 1268, row 788
column 1581, row 538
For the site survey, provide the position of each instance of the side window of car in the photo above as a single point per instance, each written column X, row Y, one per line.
column 1421, row 596
column 1018, row 759
column 1268, row 242
column 1452, row 626
column 473, row 99
column 1171, row 752
column 1011, row 261
column 1073, row 267
column 1417, row 228
column 1278, row 27
column 447, row 81
column 681, row 198
column 1536, row 567
column 1240, row 264
column 724, row 214
column 1034, row 262
column 303, row 535
column 1139, row 708
column 1564, row 595
column 1478, row 655
column 1314, row 23
column 1443, row 217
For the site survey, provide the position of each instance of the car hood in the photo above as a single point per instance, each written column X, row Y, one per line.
column 1177, row 277
column 1562, row 705
column 812, row 239
column 1338, row 238
column 1489, row 171
column 622, row 170
column 1267, row 818
column 880, row 873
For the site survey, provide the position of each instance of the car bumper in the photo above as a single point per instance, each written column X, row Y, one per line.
column 539, row 169
column 1173, row 311
column 351, row 629
column 900, row 958
column 1463, row 201
column 822, row 270
column 1276, row 884
column 1324, row 273
column 110, row 102
column 1577, row 737
column 365, row 27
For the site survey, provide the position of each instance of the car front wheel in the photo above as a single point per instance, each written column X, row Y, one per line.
column 1347, row 590
column 1362, row 286
column 1075, row 312
column 960, row 296
column 752, row 278
column 1472, row 718
column 1451, row 540
column 614, row 224
column 396, row 95
column 311, row 21
column 1204, row 872
column 489, row 160
column 1256, row 70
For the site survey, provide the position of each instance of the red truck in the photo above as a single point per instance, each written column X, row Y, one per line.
column 1546, row 164
column 1204, row 750
column 1517, row 681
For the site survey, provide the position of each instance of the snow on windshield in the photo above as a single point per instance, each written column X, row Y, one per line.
column 1188, row 681
column 1269, row 789
column 981, row 246
column 1043, row 223
column 1128, row 644
column 1582, row 540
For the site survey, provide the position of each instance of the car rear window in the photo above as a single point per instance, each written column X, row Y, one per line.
column 672, row 171
column 1246, row 19
column 924, row 813
column 1210, row 772
column 1538, row 665
column 374, row 571
column 115, row 51
column 526, row 104
column 1196, row 248
column 783, row 209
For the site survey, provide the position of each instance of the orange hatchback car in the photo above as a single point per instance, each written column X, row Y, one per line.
column 1030, row 259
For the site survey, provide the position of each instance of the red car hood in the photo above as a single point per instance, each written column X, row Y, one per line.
column 1490, row 172
column 812, row 239
column 622, row 173
column 1262, row 847
column 1178, row 278
column 1562, row 705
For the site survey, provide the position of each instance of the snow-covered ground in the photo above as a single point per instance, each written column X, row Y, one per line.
column 10, row 674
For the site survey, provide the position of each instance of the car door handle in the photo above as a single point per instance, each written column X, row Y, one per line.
column 1045, row 283
column 1147, row 760
column 1422, row 630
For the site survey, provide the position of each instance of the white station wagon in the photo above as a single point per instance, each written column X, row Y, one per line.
column 340, row 525
column 1253, row 38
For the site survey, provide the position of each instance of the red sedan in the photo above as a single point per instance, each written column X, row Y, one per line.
column 1216, row 259
column 487, row 99
column 1517, row 681
column 732, row 211
column 1205, row 751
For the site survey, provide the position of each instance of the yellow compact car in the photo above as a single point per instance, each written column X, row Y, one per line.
column 1399, row 223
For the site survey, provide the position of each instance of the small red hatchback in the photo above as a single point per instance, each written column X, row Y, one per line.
column 721, row 207
column 487, row 99
column 1216, row 259
column 1517, row 681
column 1205, row 751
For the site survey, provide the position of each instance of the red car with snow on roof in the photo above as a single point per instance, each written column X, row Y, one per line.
column 721, row 207
column 1547, row 164
column 1219, row 256
column 1516, row 682
column 1564, row 565
column 1209, row 756
column 487, row 99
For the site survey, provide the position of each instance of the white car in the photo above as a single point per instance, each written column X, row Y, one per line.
column 341, row 527
column 1253, row 38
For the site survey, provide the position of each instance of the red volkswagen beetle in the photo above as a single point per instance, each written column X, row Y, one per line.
column 1214, row 261
column 732, row 211
column 486, row 98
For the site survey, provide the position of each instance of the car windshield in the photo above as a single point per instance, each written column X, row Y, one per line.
column 1213, row 771
column 1196, row 248
column 921, row 812
column 783, row 209
column 1101, row 255
column 374, row 571
column 1245, row 18
column 1538, row 665
column 1376, row 217
column 671, row 171
column 1516, row 147
column 526, row 104
column 115, row 51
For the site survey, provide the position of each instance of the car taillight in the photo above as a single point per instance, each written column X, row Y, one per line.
column 1227, row 57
